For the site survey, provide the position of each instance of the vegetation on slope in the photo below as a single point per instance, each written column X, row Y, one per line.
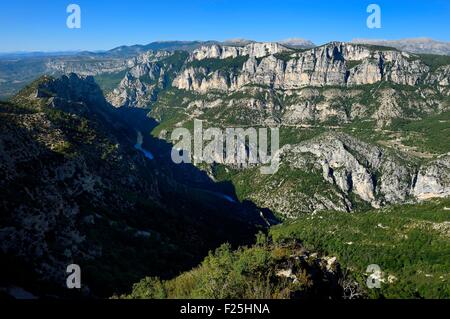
column 126, row 232
column 410, row 244
column 250, row 273
column 109, row 81
column 431, row 133
column 212, row 65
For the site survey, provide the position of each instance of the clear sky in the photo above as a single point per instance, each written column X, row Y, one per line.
column 40, row 25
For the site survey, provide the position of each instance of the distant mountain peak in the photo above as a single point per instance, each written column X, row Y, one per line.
column 73, row 93
column 414, row 45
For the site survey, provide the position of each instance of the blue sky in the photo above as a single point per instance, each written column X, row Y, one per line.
column 40, row 25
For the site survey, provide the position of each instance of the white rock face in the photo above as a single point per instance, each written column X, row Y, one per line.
column 336, row 63
column 433, row 179
column 368, row 171
column 187, row 80
column 318, row 85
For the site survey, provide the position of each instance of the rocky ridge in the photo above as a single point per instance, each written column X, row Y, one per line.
column 75, row 190
column 332, row 85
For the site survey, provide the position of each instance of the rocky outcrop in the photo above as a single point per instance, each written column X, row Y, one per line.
column 72, row 88
column 297, row 43
column 441, row 76
column 87, row 67
column 76, row 191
